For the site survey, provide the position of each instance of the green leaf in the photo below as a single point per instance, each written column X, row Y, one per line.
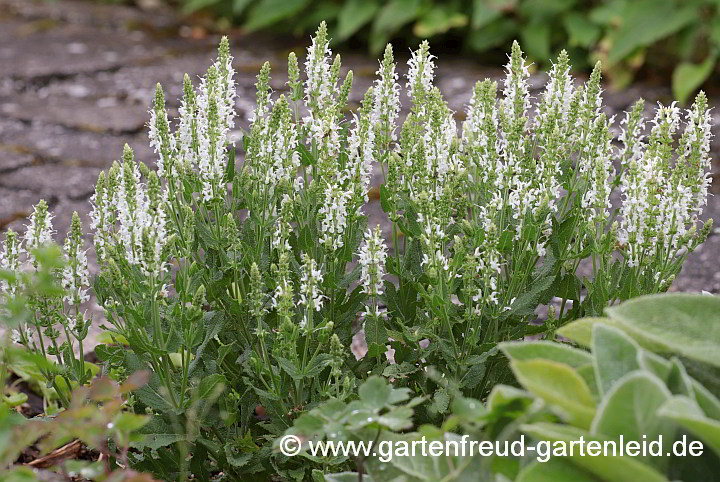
column 355, row 14
column 268, row 12
column 548, row 350
column 615, row 355
column 645, row 22
column 155, row 441
column 580, row 331
column 554, row 470
column 211, row 386
column 609, row 469
column 680, row 323
column 629, row 410
column 687, row 413
column 536, row 40
column 375, row 393
column 437, row 20
column 688, row 77
column 399, row 418
column 375, row 335
column 130, row 422
column 346, row 477
column 560, row 386
column 390, row 19
column 581, row 31
column 483, row 14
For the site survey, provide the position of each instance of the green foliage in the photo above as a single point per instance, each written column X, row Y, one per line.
column 626, row 34
column 617, row 393
column 239, row 287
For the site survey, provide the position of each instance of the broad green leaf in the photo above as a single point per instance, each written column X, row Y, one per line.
column 375, row 336
column 211, row 386
column 581, row 31
column 688, row 414
column 548, row 350
column 399, row 418
column 375, row 393
column 483, row 14
column 268, row 12
column 560, row 386
column 707, row 401
column 415, row 467
column 587, row 372
column 580, row 331
column 346, row 477
column 468, row 408
column 493, row 34
column 355, row 14
column 629, row 410
column 678, row 323
column 647, row 21
column 439, row 20
column 554, row 470
column 502, row 395
column 393, row 16
column 130, row 422
column 536, row 40
column 688, row 77
column 609, row 469
column 615, row 355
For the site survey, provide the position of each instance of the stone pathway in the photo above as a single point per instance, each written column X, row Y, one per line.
column 76, row 80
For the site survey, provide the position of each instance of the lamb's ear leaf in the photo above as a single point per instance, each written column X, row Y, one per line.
column 560, row 386
column 615, row 355
column 548, row 350
column 554, row 470
column 687, row 413
column 606, row 468
column 629, row 409
column 680, row 323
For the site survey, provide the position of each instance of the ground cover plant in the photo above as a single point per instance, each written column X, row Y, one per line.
column 238, row 286
column 637, row 382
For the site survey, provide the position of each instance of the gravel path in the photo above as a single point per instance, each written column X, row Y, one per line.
column 76, row 80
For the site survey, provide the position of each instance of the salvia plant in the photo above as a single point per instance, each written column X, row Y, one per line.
column 240, row 285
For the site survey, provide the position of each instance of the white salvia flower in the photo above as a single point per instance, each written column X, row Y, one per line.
column 516, row 91
column 226, row 85
column 310, row 279
column 421, row 71
column 555, row 105
column 75, row 278
column 283, row 228
column 186, row 132
column 650, row 201
column 40, row 231
column 15, row 336
column 695, row 153
column 212, row 136
column 386, row 98
column 161, row 140
column 100, row 216
column 597, row 169
column 317, row 68
column 372, row 256
column 358, row 171
column 334, row 216
column 142, row 225
column 12, row 250
column 131, row 203
column 274, row 157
